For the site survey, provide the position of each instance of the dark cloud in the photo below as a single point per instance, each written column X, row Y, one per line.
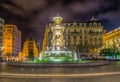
column 31, row 16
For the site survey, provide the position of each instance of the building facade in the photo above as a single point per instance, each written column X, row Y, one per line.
column 1, row 36
column 83, row 37
column 11, row 41
column 112, row 39
column 28, row 47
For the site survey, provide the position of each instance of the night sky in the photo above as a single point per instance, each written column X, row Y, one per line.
column 31, row 16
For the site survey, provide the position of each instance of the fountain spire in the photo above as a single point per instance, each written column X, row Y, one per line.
column 57, row 30
column 57, row 19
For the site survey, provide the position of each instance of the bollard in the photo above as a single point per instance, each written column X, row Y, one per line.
column 32, row 69
column 67, row 69
column 90, row 69
column 21, row 69
column 46, row 70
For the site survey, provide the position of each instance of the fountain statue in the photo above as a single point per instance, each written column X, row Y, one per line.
column 57, row 30
column 57, row 52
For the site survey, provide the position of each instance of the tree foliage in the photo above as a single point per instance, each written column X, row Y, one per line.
column 113, row 52
column 31, row 55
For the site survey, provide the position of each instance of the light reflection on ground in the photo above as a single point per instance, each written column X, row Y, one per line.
column 105, row 73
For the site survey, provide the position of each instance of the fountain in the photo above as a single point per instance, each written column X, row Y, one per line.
column 57, row 52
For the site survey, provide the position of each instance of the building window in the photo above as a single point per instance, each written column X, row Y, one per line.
column 74, row 37
column 85, row 24
column 64, row 24
column 8, row 38
column 1, row 22
column 99, row 30
column 99, row 24
column 85, row 49
column 80, row 31
column 0, row 41
column 80, row 50
column 74, row 30
column 68, row 24
column 80, row 42
column 80, row 37
column 84, row 31
column 0, row 34
column 50, row 24
column 0, row 27
column 95, row 24
column 80, row 24
column 85, row 37
column 68, row 37
column 90, row 24
column 65, row 36
column 68, row 30
column 85, row 42
column 74, row 24
column 8, row 45
column 9, row 30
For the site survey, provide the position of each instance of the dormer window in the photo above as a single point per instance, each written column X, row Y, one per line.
column 90, row 24
column 85, row 24
column 99, row 24
column 80, row 24
column 74, row 24
column 94, row 24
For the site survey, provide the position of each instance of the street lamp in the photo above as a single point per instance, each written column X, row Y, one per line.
column 38, row 44
column 39, row 50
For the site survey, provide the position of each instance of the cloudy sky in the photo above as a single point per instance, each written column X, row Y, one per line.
column 31, row 16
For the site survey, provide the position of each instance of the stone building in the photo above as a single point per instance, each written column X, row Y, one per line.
column 83, row 37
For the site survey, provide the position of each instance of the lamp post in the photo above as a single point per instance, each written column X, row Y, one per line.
column 38, row 44
column 39, row 50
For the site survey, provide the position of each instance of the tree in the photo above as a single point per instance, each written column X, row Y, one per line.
column 106, row 51
column 31, row 55
column 111, row 52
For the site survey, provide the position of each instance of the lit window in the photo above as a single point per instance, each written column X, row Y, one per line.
column 80, row 31
column 80, row 37
column 0, row 27
column 85, row 24
column 74, row 30
column 90, row 24
column 68, row 37
column 95, row 24
column 99, row 24
column 68, row 30
column 99, row 30
column 80, row 24
column 74, row 37
column 85, row 37
column 74, row 24
column 64, row 24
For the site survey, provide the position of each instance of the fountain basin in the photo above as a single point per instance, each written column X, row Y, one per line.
column 58, row 56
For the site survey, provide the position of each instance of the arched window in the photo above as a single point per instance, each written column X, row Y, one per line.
column 85, row 24
column 80, row 24
column 84, row 31
column 94, row 24
column 80, row 36
column 85, row 37
column 80, row 30
column 64, row 24
column 90, row 24
column 74, row 24
column 99, row 24
column 68, row 30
